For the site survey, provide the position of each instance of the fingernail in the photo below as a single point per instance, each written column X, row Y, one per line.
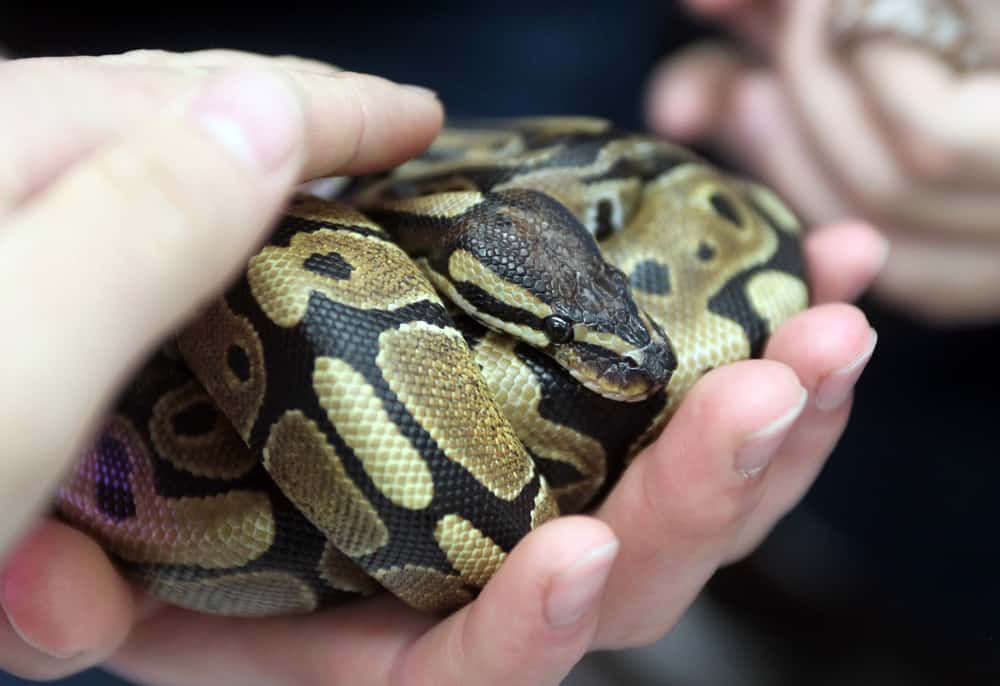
column 576, row 589
column 836, row 387
column 254, row 115
column 5, row 592
column 758, row 448
column 421, row 91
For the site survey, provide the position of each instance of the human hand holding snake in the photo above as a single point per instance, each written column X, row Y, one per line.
column 619, row 577
column 882, row 109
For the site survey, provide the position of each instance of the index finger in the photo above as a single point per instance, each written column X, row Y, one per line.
column 58, row 111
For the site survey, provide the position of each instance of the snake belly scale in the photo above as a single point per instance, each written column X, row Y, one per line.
column 408, row 379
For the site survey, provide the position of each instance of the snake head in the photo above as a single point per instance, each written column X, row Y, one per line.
column 604, row 340
column 522, row 264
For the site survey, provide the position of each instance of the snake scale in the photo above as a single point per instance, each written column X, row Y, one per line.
column 408, row 378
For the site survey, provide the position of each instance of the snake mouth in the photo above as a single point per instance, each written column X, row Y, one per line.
column 643, row 372
column 648, row 369
column 632, row 377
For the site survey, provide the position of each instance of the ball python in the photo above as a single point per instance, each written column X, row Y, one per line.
column 409, row 377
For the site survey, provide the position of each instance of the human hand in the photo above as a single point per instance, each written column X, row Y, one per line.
column 700, row 497
column 884, row 131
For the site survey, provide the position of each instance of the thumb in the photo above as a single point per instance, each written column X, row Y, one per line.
column 122, row 247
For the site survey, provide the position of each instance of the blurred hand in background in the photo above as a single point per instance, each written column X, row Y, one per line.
column 884, row 129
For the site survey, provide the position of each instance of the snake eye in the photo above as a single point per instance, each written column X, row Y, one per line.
column 558, row 329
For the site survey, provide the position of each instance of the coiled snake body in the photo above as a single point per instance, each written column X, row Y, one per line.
column 407, row 380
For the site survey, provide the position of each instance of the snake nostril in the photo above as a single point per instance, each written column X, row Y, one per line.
column 631, row 362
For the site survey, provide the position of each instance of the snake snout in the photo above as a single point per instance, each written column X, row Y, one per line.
column 649, row 368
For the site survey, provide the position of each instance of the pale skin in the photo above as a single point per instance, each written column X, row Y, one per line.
column 121, row 211
column 887, row 132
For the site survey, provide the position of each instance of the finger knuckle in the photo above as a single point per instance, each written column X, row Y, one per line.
column 694, row 506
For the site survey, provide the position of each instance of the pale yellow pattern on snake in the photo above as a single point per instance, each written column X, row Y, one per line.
column 545, row 506
column 383, row 277
column 521, row 331
column 273, row 593
column 341, row 573
column 776, row 296
column 424, row 588
column 308, row 470
column 518, row 393
column 315, row 209
column 205, row 345
column 443, row 204
column 584, row 199
column 218, row 454
column 213, row 532
column 474, row 554
column 621, row 194
column 432, row 372
column 603, row 339
column 388, row 457
column 772, row 205
column 464, row 266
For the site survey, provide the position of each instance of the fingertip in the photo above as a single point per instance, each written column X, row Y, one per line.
column 686, row 96
column 562, row 566
column 742, row 396
column 828, row 346
column 49, row 589
column 361, row 123
column 674, row 104
column 844, row 259
column 535, row 618
column 730, row 424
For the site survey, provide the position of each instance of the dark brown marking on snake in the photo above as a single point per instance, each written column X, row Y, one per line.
column 725, row 208
column 485, row 302
column 238, row 362
column 644, row 169
column 196, row 420
column 113, row 488
column 332, row 265
column 290, row 225
column 650, row 276
column 557, row 472
column 605, row 223
column 472, row 331
column 731, row 300
column 706, row 251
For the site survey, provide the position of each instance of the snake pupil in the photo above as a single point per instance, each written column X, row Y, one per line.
column 558, row 329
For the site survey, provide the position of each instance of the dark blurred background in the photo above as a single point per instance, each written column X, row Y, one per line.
column 888, row 572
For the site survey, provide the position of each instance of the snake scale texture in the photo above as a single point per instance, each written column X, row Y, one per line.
column 409, row 378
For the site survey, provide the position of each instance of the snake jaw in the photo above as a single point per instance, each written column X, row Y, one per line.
column 631, row 377
column 654, row 363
